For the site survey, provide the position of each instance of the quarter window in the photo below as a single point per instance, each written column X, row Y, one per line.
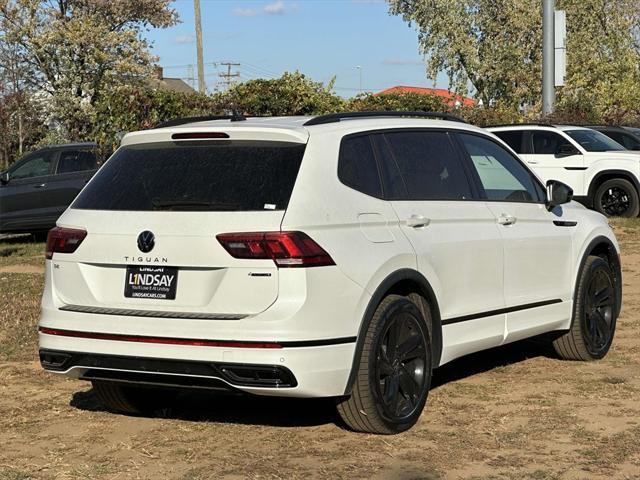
column 357, row 166
column 502, row 176
column 423, row 166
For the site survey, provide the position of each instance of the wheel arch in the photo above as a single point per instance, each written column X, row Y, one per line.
column 403, row 282
column 609, row 174
column 601, row 246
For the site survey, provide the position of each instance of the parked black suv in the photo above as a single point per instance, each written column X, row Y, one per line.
column 39, row 187
column 628, row 137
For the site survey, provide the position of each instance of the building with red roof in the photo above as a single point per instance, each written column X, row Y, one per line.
column 451, row 97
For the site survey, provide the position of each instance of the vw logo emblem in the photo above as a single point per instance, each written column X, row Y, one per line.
column 146, row 241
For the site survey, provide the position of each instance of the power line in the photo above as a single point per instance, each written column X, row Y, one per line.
column 228, row 77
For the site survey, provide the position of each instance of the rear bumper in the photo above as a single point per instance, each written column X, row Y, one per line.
column 316, row 371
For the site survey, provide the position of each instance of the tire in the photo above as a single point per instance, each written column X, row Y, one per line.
column 594, row 319
column 392, row 384
column 129, row 399
column 617, row 198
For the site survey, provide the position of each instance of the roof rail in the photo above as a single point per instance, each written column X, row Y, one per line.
column 539, row 124
column 337, row 117
column 234, row 117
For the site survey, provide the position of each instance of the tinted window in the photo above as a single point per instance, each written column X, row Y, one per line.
column 502, row 176
column 76, row 161
column 593, row 141
column 626, row 140
column 209, row 176
column 424, row 166
column 546, row 143
column 36, row 166
column 513, row 139
column 357, row 166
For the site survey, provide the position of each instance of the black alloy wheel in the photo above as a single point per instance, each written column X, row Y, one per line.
column 595, row 313
column 394, row 368
column 598, row 312
column 400, row 367
column 617, row 197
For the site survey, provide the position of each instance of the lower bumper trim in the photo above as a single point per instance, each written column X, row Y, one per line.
column 168, row 372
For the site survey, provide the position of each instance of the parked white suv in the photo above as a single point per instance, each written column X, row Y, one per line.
column 603, row 174
column 340, row 256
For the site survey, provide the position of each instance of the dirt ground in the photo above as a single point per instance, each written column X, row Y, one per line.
column 515, row 412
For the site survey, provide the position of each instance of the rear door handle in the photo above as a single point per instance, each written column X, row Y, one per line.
column 505, row 219
column 42, row 185
column 417, row 221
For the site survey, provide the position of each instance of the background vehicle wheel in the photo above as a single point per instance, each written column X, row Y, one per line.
column 130, row 399
column 394, row 373
column 594, row 318
column 617, row 198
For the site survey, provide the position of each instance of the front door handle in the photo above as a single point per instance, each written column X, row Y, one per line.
column 532, row 162
column 505, row 219
column 417, row 221
column 42, row 185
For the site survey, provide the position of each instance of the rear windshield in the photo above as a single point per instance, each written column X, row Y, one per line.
column 196, row 176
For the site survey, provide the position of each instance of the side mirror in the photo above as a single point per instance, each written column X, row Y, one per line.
column 5, row 177
column 566, row 150
column 558, row 193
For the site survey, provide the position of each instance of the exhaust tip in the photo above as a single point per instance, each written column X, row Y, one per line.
column 259, row 376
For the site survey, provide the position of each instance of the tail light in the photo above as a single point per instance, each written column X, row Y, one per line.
column 286, row 249
column 63, row 240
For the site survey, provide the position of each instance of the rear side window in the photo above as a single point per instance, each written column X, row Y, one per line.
column 357, row 167
column 76, row 161
column 514, row 139
column 196, row 176
column 425, row 165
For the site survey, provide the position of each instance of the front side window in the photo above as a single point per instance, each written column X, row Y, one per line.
column 76, row 161
column 37, row 166
column 547, row 143
column 424, row 166
column 212, row 176
column 502, row 176
column 593, row 141
column 357, row 166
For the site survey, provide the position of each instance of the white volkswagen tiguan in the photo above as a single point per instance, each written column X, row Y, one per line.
column 344, row 256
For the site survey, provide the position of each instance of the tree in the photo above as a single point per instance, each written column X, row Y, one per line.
column 129, row 108
column 490, row 45
column 79, row 49
column 397, row 101
column 291, row 94
column 495, row 47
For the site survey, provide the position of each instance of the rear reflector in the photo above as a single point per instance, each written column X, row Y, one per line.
column 63, row 240
column 286, row 249
column 162, row 340
column 198, row 135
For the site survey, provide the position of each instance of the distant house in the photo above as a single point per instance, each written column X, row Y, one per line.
column 167, row 84
column 451, row 98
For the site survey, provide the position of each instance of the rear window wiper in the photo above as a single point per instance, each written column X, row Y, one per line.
column 179, row 204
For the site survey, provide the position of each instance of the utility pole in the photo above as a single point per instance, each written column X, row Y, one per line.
column 548, row 57
column 227, row 78
column 196, row 7
column 359, row 67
